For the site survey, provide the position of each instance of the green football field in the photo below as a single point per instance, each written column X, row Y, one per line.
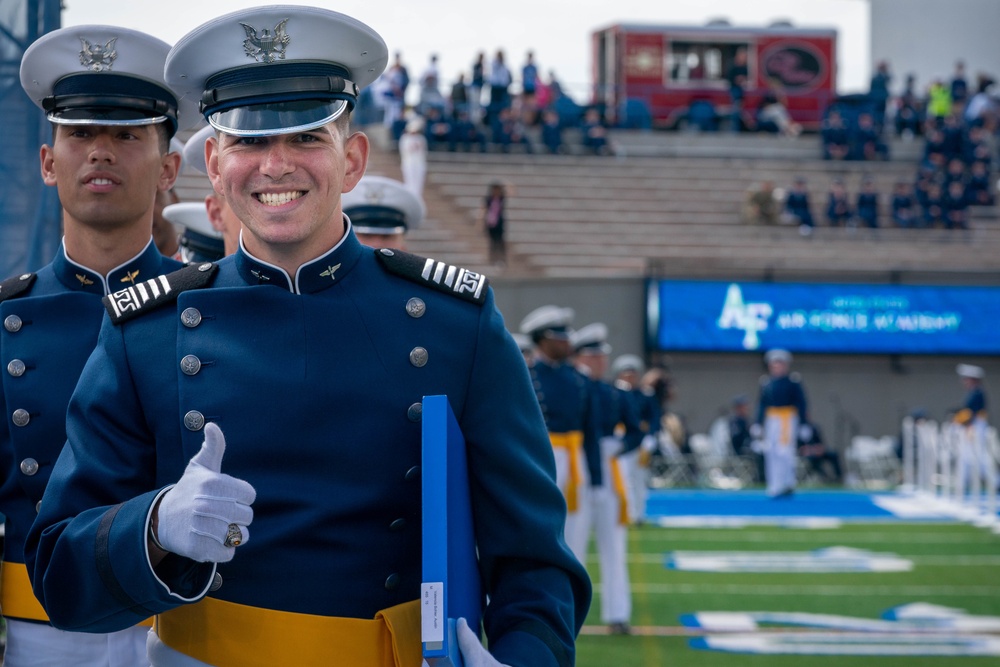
column 955, row 565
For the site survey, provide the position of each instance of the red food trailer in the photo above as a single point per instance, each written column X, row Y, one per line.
column 661, row 70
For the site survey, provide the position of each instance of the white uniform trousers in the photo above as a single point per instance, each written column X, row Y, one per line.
column 41, row 645
column 611, row 537
column 976, row 466
column 781, row 427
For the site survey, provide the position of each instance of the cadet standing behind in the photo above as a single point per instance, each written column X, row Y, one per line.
column 781, row 410
column 311, row 353
column 382, row 211
column 609, row 515
column 113, row 117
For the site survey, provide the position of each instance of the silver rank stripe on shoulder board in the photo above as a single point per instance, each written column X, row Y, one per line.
column 460, row 280
column 134, row 297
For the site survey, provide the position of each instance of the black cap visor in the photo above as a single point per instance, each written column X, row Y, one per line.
column 267, row 119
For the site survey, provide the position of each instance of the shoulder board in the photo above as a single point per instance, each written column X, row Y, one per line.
column 146, row 296
column 467, row 285
column 16, row 286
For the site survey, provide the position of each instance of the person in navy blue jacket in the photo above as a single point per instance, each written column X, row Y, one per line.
column 243, row 449
column 781, row 411
column 113, row 117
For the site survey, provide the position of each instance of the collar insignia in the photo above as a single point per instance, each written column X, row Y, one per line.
column 84, row 280
column 267, row 46
column 330, row 270
column 260, row 276
column 97, row 58
column 130, row 277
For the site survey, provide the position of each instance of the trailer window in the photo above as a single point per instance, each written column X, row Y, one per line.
column 701, row 61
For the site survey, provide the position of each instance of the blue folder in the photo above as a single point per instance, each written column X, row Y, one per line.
column 451, row 587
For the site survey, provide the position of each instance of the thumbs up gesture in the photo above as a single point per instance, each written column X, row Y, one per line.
column 205, row 515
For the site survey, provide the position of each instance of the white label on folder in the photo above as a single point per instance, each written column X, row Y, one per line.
column 432, row 612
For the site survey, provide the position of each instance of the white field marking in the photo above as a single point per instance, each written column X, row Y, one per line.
column 825, row 560
column 808, row 590
column 928, row 561
column 776, row 536
column 865, row 643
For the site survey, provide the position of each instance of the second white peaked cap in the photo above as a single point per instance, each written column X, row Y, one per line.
column 194, row 149
column 970, row 371
column 103, row 75
column 547, row 317
column 592, row 338
column 627, row 362
column 275, row 69
column 778, row 354
column 380, row 205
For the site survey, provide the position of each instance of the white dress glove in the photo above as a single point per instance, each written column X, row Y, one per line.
column 472, row 649
column 805, row 432
column 195, row 515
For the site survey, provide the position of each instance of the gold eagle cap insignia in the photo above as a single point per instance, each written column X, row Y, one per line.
column 98, row 58
column 266, row 47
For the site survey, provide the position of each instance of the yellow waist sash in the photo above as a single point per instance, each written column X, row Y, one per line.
column 17, row 600
column 618, row 484
column 785, row 414
column 226, row 634
column 572, row 442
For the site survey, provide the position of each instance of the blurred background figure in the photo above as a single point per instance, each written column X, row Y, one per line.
column 382, row 210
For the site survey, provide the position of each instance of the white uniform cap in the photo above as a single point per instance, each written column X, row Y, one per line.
column 200, row 240
column 103, row 75
column 778, row 355
column 379, row 205
column 523, row 342
column 970, row 371
column 627, row 362
column 547, row 318
column 591, row 339
column 194, row 149
column 276, row 69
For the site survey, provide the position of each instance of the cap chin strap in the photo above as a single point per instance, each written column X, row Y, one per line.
column 276, row 90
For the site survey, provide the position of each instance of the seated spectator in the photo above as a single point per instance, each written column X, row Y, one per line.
column 838, row 207
column 977, row 146
column 953, row 136
column 508, row 130
column 904, row 210
column 594, row 135
column 980, row 184
column 797, row 209
column 459, row 97
column 982, row 103
column 955, row 171
column 551, row 131
column 909, row 111
column 762, row 205
column 934, row 149
column 955, row 206
column 465, row 134
column 834, row 137
column 773, row 116
column 866, row 143
column 739, row 433
column 933, row 210
column 867, row 204
column 437, row 129
column 818, row 455
column 938, row 100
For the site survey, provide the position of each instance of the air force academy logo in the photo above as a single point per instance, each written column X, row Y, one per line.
column 751, row 318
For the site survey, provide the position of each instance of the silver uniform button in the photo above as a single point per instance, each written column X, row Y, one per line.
column 29, row 467
column 190, row 365
column 21, row 417
column 191, row 317
column 416, row 307
column 387, row 252
column 397, row 525
column 391, row 582
column 412, row 474
column 415, row 412
column 418, row 357
column 216, row 583
column 16, row 368
column 205, row 267
column 194, row 421
column 12, row 323
column 38, row 507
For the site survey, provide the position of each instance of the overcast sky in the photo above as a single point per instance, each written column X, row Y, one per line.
column 558, row 31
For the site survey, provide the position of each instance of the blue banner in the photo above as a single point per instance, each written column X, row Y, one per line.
column 828, row 318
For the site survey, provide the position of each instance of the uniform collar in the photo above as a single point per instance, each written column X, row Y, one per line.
column 313, row 276
column 77, row 277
